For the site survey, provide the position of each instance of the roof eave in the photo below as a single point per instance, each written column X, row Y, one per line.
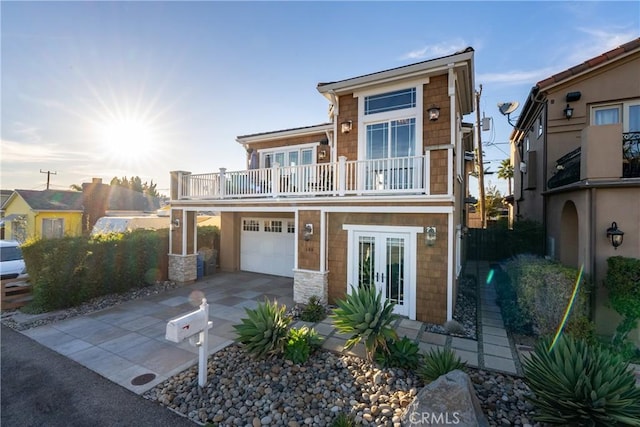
column 432, row 67
column 267, row 136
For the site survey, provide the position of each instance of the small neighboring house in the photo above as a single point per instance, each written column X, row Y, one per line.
column 43, row 214
column 373, row 197
column 57, row 213
column 576, row 151
column 4, row 196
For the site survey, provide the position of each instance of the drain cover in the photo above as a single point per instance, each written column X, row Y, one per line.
column 142, row 379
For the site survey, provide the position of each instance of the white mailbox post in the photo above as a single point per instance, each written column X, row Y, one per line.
column 187, row 326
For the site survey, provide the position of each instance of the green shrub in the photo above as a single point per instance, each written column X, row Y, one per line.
column 366, row 317
column 403, row 353
column 515, row 319
column 264, row 331
column 343, row 420
column 301, row 343
column 623, row 283
column 579, row 384
column 68, row 271
column 543, row 289
column 314, row 311
column 439, row 362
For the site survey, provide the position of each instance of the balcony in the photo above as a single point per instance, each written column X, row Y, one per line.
column 631, row 155
column 391, row 176
column 606, row 153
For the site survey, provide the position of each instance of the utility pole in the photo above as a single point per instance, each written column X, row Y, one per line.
column 49, row 173
column 481, row 202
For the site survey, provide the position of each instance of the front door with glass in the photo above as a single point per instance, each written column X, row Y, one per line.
column 382, row 260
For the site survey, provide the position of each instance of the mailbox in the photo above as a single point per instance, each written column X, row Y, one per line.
column 180, row 328
column 187, row 326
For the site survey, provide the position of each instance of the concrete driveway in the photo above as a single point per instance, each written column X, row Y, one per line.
column 126, row 343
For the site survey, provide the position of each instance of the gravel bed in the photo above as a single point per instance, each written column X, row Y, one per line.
column 247, row 392
column 243, row 391
column 464, row 313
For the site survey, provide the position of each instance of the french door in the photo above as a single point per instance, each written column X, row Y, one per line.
column 382, row 261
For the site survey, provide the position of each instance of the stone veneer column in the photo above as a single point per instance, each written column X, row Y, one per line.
column 307, row 283
column 183, row 268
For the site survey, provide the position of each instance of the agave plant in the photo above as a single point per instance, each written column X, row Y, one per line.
column 578, row 384
column 264, row 331
column 366, row 317
column 439, row 362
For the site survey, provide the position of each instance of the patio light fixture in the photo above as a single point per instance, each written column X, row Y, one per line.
column 434, row 112
column 615, row 235
column 307, row 232
column 345, row 127
column 568, row 112
column 430, row 236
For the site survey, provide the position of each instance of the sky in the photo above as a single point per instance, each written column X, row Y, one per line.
column 106, row 89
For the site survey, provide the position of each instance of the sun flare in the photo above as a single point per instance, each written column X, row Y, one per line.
column 127, row 137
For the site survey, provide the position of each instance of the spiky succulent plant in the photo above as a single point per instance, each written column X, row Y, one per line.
column 364, row 316
column 439, row 362
column 264, row 331
column 575, row 383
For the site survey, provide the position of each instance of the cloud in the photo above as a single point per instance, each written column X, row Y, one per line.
column 515, row 77
column 436, row 50
column 20, row 152
column 597, row 42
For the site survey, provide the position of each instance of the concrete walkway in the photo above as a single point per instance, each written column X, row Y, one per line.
column 126, row 343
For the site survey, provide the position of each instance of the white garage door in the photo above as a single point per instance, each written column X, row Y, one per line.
column 267, row 245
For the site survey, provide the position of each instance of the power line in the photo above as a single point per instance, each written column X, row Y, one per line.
column 49, row 173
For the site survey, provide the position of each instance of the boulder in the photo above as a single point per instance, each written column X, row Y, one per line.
column 449, row 400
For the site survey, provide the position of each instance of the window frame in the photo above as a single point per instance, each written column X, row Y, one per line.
column 623, row 107
column 44, row 228
column 416, row 113
column 285, row 150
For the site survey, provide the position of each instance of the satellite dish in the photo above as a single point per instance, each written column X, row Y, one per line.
column 507, row 108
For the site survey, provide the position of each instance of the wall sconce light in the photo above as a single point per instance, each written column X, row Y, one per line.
column 434, row 113
column 307, row 232
column 568, row 112
column 322, row 154
column 615, row 235
column 346, row 127
column 176, row 223
column 430, row 236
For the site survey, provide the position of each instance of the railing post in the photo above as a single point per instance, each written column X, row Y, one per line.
column 275, row 180
column 426, row 172
column 223, row 183
column 342, row 175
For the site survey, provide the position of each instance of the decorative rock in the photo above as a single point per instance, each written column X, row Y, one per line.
column 451, row 399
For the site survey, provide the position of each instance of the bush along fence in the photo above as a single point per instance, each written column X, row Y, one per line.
column 623, row 283
column 533, row 294
column 69, row 271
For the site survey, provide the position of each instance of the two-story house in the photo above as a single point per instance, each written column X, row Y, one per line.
column 373, row 197
column 576, row 151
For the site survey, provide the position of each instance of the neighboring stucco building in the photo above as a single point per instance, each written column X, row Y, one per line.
column 576, row 151
column 375, row 196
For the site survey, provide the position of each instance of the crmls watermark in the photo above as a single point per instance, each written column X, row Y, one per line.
column 435, row 418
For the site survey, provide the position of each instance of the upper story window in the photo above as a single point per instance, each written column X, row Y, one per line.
column 627, row 113
column 289, row 156
column 390, row 101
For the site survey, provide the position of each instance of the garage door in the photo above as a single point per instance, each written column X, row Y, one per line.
column 267, row 245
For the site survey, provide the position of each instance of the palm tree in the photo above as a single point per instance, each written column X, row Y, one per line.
column 505, row 171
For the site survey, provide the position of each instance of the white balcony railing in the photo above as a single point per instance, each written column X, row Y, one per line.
column 400, row 175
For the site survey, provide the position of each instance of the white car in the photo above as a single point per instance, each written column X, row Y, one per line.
column 11, row 261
